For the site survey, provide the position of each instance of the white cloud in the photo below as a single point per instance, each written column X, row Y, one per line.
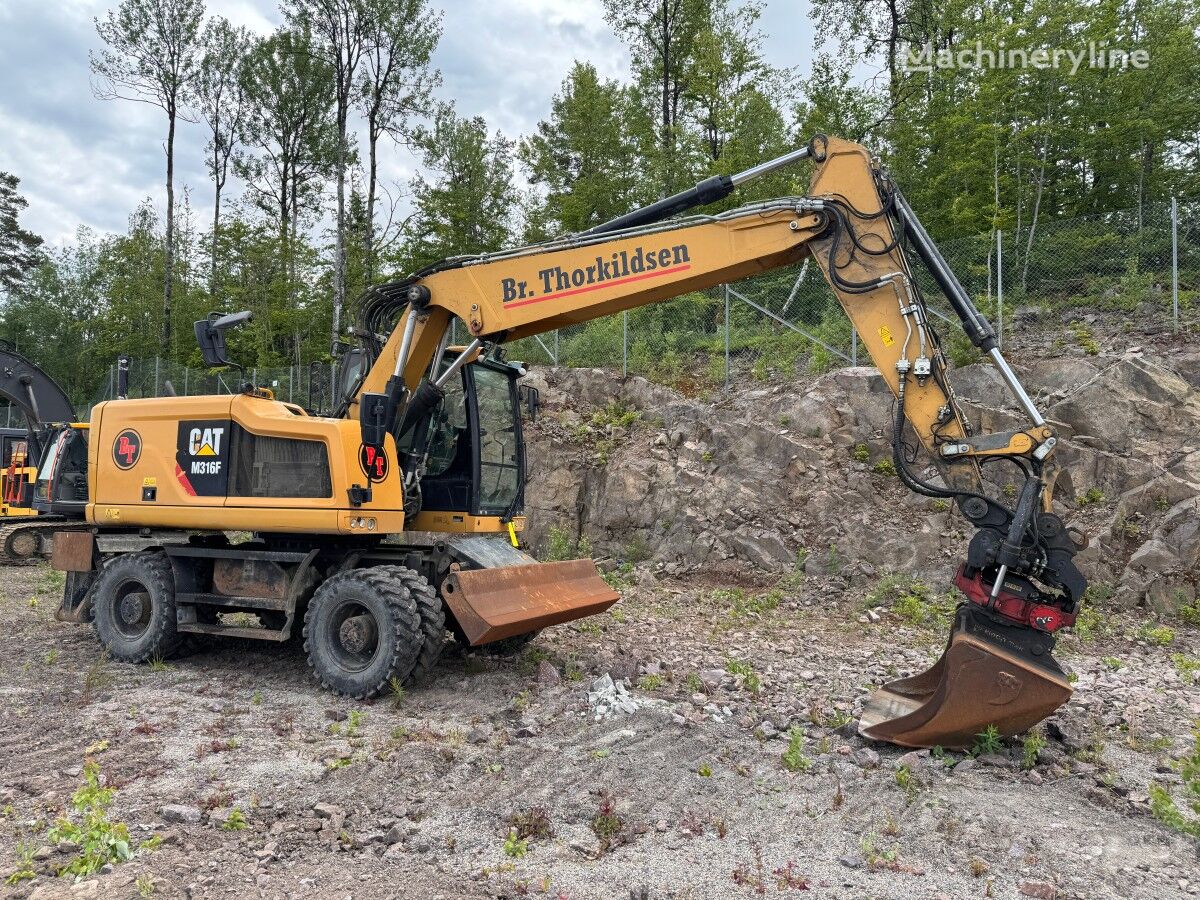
column 86, row 161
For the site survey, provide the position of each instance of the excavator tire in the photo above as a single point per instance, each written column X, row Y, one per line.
column 363, row 628
column 433, row 620
column 133, row 607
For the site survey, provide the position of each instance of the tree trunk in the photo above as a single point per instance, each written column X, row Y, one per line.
column 216, row 229
column 1037, row 208
column 339, row 267
column 169, row 262
column 369, row 231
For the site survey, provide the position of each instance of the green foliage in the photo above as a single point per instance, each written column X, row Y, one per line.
column 607, row 825
column 24, row 870
column 19, row 249
column 794, row 758
column 1187, row 666
column 907, row 782
column 1085, row 339
column 562, row 545
column 465, row 202
column 861, row 453
column 749, row 677
column 1031, row 748
column 235, row 821
column 584, row 156
column 1092, row 497
column 1159, row 635
column 884, row 467
column 748, row 606
column 987, row 741
column 651, row 683
column 704, row 770
column 912, row 600
column 514, row 846
column 1189, row 613
column 1164, row 806
column 1090, row 623
column 100, row 840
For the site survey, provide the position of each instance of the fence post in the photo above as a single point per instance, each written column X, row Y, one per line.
column 726, row 337
column 999, row 287
column 625, row 344
column 556, row 346
column 110, row 382
column 156, row 361
column 1175, row 262
column 187, row 370
column 853, row 346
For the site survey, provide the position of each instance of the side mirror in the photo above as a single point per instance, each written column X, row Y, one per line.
column 372, row 419
column 531, row 398
column 210, row 335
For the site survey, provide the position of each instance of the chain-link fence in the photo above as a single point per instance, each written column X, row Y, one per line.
column 1060, row 279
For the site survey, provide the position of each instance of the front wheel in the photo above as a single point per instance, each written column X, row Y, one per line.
column 363, row 629
column 133, row 607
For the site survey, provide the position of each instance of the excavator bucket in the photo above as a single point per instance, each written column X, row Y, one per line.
column 990, row 674
column 493, row 604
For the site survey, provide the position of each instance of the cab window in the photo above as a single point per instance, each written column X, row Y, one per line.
column 499, row 441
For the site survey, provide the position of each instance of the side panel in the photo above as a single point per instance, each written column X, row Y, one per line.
column 174, row 463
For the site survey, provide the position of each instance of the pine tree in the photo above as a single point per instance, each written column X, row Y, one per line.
column 19, row 249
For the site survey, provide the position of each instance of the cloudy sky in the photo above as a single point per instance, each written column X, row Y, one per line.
column 83, row 161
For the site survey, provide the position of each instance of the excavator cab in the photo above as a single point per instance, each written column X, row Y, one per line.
column 476, row 450
column 62, row 480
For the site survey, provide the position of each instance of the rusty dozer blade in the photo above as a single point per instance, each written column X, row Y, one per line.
column 493, row 604
column 989, row 674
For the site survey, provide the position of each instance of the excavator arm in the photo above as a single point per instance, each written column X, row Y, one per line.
column 1019, row 578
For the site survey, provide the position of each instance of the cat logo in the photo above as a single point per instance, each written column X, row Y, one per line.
column 202, row 450
column 205, row 441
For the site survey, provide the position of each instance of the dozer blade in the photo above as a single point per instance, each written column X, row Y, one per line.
column 989, row 674
column 493, row 604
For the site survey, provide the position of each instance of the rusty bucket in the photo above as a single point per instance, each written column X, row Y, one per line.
column 990, row 674
column 493, row 604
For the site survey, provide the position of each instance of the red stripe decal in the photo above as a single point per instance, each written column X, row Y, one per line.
column 596, row 287
column 183, row 479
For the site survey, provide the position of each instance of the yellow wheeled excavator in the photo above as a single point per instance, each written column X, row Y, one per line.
column 376, row 529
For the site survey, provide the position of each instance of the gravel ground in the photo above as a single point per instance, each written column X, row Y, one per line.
column 668, row 781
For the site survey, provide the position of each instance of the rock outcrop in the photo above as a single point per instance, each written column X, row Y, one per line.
column 769, row 476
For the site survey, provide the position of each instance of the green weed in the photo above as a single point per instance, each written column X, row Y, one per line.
column 1159, row 635
column 100, row 840
column 987, row 741
column 514, row 846
column 749, row 678
column 650, row 683
column 1032, row 748
column 1164, row 806
column 794, row 758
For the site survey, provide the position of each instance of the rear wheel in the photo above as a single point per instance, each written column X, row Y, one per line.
column 362, row 629
column 133, row 607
